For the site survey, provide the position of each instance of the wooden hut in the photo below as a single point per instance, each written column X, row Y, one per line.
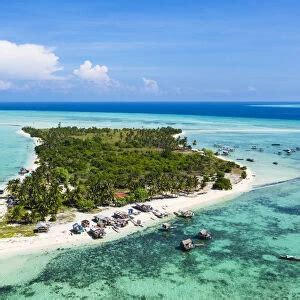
column 204, row 235
column 120, row 215
column 85, row 223
column 143, row 207
column 187, row 245
column 41, row 227
column 121, row 222
column 97, row 233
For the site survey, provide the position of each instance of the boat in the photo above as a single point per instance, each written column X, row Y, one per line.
column 158, row 214
column 204, row 235
column 187, row 245
column 275, row 144
column 289, row 257
column 184, row 213
column 275, row 163
column 166, row 226
column 120, row 215
column 23, row 171
column 250, row 159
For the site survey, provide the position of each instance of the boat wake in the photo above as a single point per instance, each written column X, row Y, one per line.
column 256, row 187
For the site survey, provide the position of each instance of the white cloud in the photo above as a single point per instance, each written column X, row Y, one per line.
column 151, row 85
column 96, row 74
column 27, row 62
column 5, row 85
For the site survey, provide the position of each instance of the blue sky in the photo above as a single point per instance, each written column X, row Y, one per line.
column 149, row 50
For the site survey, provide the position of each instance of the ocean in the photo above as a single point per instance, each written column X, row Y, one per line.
column 249, row 231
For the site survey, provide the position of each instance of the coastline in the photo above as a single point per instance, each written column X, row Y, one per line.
column 59, row 235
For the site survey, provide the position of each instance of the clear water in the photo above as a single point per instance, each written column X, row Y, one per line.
column 249, row 231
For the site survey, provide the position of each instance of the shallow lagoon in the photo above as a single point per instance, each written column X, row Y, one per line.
column 239, row 263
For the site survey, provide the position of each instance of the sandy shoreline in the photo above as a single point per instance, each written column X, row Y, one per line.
column 59, row 235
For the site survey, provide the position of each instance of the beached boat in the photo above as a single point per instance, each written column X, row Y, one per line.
column 97, row 233
column 166, row 226
column 41, row 227
column 204, row 235
column 103, row 221
column 121, row 222
column 289, row 257
column 187, row 245
column 184, row 213
column 23, row 171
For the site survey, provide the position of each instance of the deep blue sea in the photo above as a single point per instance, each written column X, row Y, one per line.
column 249, row 231
column 268, row 110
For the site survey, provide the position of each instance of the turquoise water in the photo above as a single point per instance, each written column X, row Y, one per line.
column 249, row 231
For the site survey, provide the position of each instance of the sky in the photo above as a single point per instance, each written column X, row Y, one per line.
column 158, row 50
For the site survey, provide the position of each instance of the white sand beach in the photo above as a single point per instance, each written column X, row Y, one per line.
column 59, row 235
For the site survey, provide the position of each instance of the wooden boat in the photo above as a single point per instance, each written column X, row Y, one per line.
column 157, row 213
column 289, row 257
column 250, row 159
column 204, row 235
column 23, row 171
column 187, row 245
column 184, row 213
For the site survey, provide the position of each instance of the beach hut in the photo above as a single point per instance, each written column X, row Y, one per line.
column 85, row 223
column 143, row 207
column 97, row 233
column 41, row 227
column 77, row 228
column 120, row 215
column 187, row 245
column 204, row 235
column 121, row 222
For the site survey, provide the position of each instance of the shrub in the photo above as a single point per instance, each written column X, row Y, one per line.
column 222, row 183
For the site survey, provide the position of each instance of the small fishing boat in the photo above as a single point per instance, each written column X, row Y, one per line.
column 250, row 159
column 41, row 227
column 275, row 144
column 289, row 257
column 166, row 226
column 275, row 163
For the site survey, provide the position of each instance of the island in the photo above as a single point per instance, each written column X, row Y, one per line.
column 90, row 170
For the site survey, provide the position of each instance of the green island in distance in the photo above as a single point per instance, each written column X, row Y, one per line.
column 87, row 168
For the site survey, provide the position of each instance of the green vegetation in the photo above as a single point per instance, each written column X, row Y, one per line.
column 84, row 168
column 244, row 174
column 9, row 231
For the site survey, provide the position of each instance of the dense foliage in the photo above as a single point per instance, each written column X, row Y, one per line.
column 84, row 168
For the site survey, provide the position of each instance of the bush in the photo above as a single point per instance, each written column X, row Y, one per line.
column 222, row 183
column 243, row 174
